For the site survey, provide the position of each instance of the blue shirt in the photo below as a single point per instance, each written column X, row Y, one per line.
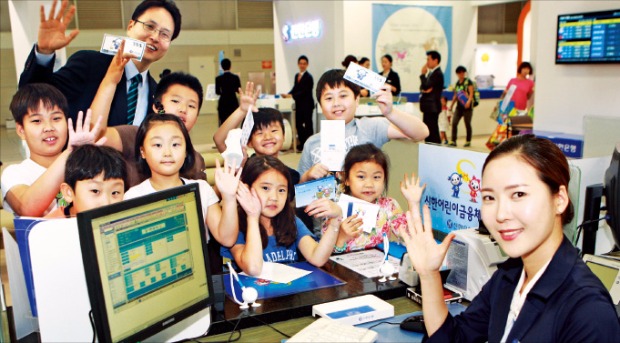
column 274, row 252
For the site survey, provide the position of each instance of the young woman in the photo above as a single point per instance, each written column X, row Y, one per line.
column 544, row 292
column 269, row 230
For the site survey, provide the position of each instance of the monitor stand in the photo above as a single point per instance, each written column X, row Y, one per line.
column 195, row 325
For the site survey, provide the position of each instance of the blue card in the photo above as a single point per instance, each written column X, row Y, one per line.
column 307, row 192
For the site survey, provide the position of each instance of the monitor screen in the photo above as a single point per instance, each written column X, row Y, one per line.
column 612, row 194
column 146, row 263
column 592, row 37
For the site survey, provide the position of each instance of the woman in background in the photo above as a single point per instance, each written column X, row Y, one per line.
column 392, row 78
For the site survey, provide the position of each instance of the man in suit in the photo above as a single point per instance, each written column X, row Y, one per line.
column 226, row 86
column 431, row 87
column 304, row 102
column 156, row 22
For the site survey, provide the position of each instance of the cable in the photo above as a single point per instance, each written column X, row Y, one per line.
column 233, row 332
column 274, row 329
column 391, row 323
column 92, row 324
column 580, row 227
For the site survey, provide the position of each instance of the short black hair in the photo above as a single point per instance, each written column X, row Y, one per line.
column 265, row 117
column 87, row 161
column 363, row 60
column 525, row 65
column 332, row 79
column 348, row 59
column 461, row 69
column 434, row 55
column 302, row 57
column 388, row 57
column 30, row 96
column 226, row 64
column 144, row 128
column 178, row 78
column 168, row 5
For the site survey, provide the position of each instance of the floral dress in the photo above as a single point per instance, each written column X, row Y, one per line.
column 389, row 219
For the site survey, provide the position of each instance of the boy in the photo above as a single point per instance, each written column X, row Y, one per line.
column 339, row 99
column 31, row 188
column 267, row 136
column 94, row 177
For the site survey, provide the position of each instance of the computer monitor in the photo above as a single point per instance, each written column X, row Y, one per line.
column 146, row 263
column 612, row 194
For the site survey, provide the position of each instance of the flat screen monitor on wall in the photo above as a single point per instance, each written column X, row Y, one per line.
column 146, row 264
column 592, row 37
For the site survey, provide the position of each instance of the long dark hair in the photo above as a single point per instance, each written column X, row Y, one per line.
column 545, row 157
column 285, row 228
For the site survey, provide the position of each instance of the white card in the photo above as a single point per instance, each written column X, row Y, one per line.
column 364, row 78
column 111, row 43
column 246, row 129
column 365, row 210
column 333, row 146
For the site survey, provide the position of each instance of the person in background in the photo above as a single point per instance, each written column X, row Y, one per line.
column 226, row 86
column 465, row 109
column 364, row 62
column 304, row 103
column 156, row 22
column 524, row 86
column 164, row 73
column 444, row 120
column 347, row 60
column 391, row 76
column 544, row 292
column 431, row 87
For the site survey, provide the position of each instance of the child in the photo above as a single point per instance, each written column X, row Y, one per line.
column 339, row 99
column 269, row 230
column 544, row 292
column 94, row 177
column 177, row 93
column 32, row 187
column 444, row 120
column 267, row 135
column 366, row 178
column 164, row 152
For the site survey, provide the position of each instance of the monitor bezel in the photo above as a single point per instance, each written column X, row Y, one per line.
column 557, row 41
column 92, row 271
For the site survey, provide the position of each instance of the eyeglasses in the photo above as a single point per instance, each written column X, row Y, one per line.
column 164, row 34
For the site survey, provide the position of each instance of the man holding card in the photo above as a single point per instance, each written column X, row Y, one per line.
column 431, row 87
column 304, row 103
column 154, row 22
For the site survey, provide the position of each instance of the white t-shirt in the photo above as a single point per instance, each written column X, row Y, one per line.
column 207, row 194
column 25, row 173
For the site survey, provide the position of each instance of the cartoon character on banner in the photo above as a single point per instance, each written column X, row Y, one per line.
column 456, row 180
column 474, row 188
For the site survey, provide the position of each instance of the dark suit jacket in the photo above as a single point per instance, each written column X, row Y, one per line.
column 431, row 102
column 393, row 80
column 567, row 304
column 302, row 92
column 226, row 86
column 79, row 80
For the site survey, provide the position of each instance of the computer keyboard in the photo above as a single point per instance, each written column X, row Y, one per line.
column 328, row 330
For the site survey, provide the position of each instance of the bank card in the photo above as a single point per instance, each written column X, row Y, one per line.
column 111, row 43
column 246, row 129
column 365, row 210
column 307, row 192
column 364, row 78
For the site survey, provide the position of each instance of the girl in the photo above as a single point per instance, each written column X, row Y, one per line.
column 366, row 178
column 544, row 292
column 269, row 230
column 163, row 151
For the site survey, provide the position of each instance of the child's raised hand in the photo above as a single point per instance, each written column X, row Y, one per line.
column 324, row 208
column 52, row 29
column 83, row 134
column 226, row 180
column 249, row 201
column 317, row 171
column 384, row 99
column 425, row 254
column 117, row 65
column 351, row 227
column 411, row 189
column 248, row 98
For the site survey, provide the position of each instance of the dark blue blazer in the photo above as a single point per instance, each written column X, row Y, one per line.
column 431, row 102
column 302, row 92
column 79, row 80
column 567, row 304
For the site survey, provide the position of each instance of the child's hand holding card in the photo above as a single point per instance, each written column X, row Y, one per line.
column 111, row 43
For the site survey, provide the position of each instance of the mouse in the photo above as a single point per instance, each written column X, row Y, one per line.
column 414, row 323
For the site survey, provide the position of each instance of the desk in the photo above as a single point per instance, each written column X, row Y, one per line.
column 298, row 305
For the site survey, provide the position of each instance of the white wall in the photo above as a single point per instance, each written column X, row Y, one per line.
column 566, row 93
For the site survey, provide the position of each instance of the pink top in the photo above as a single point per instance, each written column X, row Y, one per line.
column 524, row 87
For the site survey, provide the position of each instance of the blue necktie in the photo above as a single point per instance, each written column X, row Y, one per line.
column 132, row 98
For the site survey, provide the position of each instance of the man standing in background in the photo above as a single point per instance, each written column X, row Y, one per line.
column 226, row 86
column 431, row 87
column 304, row 102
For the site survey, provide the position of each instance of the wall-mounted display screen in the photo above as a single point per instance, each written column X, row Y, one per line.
column 592, row 37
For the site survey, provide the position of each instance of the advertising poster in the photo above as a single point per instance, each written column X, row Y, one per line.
column 452, row 178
